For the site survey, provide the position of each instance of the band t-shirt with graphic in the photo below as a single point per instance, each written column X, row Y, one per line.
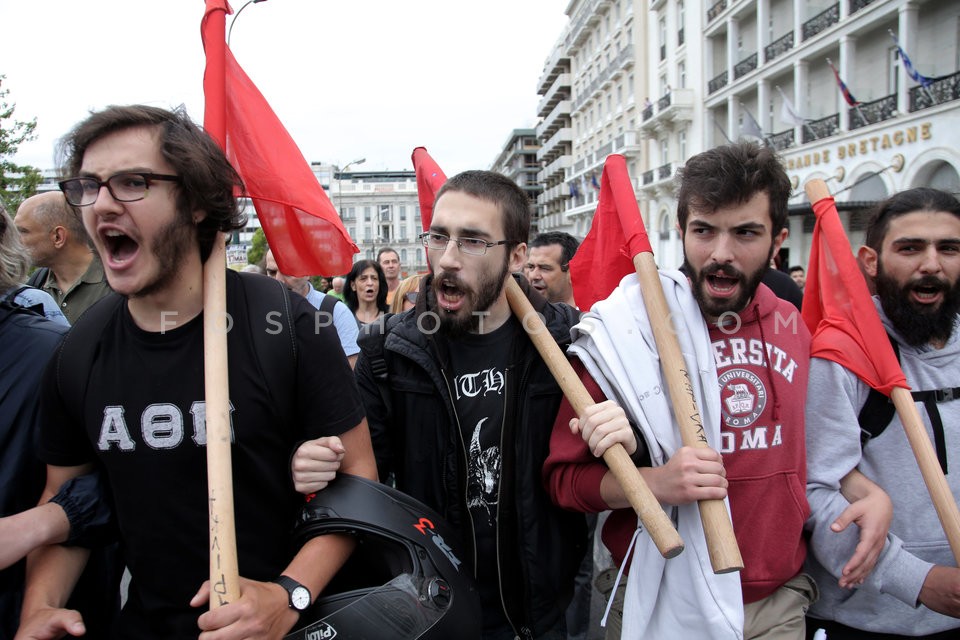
column 479, row 363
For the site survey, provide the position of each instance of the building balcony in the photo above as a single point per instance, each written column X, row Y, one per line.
column 559, row 90
column 623, row 61
column 745, row 66
column 873, row 112
column 856, row 5
column 822, row 128
column 778, row 47
column 556, row 168
column 557, row 119
column 553, row 146
column 659, row 178
column 939, row 91
column 781, row 141
column 627, row 144
column 673, row 108
column 821, row 21
column 717, row 82
column 558, row 64
column 715, row 10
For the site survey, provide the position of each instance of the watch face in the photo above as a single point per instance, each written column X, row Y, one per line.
column 300, row 598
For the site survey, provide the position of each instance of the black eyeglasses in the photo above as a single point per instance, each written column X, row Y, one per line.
column 471, row 246
column 124, row 187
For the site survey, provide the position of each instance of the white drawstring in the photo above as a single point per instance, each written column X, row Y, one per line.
column 616, row 583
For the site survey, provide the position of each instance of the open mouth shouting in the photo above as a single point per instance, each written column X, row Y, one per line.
column 928, row 291
column 721, row 281
column 451, row 294
column 120, row 249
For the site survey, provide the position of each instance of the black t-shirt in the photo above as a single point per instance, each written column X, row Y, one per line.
column 479, row 366
column 143, row 418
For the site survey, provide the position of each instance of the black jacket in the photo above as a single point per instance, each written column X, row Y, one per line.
column 416, row 437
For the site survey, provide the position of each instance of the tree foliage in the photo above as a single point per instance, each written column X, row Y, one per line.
column 258, row 247
column 17, row 182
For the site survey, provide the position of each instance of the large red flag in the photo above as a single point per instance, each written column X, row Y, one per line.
column 616, row 235
column 429, row 180
column 838, row 309
column 300, row 222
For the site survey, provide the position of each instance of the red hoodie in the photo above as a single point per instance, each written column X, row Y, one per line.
column 762, row 442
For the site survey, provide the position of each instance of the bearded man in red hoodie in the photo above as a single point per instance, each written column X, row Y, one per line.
column 732, row 214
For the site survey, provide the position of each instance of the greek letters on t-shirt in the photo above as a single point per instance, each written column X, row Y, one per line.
column 744, row 393
column 161, row 427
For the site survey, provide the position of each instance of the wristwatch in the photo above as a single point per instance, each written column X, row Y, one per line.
column 299, row 594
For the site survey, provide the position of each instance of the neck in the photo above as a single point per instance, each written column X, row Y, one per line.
column 367, row 311
column 180, row 301
column 393, row 284
column 496, row 316
column 68, row 270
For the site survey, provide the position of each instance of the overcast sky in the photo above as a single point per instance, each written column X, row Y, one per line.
column 348, row 78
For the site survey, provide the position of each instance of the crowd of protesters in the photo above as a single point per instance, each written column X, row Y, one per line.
column 433, row 384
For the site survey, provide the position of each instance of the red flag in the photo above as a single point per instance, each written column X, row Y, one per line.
column 616, row 235
column 838, row 309
column 429, row 180
column 300, row 222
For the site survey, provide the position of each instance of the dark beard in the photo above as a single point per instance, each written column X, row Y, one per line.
column 918, row 324
column 170, row 246
column 712, row 309
column 470, row 315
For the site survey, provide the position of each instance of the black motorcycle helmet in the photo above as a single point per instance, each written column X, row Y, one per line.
column 405, row 579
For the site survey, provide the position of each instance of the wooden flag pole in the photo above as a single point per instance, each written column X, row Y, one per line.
column 224, row 569
column 717, row 527
column 644, row 503
column 940, row 494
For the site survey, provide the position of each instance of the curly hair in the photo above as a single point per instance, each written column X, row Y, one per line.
column 207, row 181
column 730, row 175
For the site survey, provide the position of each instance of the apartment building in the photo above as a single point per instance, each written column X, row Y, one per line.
column 518, row 161
column 705, row 73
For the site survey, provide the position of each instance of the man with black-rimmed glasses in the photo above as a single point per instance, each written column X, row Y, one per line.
column 155, row 191
column 464, row 417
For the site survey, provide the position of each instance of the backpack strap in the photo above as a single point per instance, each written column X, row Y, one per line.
column 38, row 277
column 270, row 315
column 878, row 411
column 80, row 348
column 327, row 305
column 372, row 338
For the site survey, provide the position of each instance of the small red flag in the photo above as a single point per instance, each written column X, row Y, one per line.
column 300, row 223
column 838, row 309
column 429, row 180
column 616, row 235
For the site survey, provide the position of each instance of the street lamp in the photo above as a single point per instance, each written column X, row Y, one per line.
column 237, row 15
column 340, row 173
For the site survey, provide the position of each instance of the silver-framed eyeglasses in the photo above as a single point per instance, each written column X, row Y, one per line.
column 470, row 246
column 124, row 187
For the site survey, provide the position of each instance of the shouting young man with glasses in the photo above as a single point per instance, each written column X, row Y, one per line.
column 154, row 191
column 464, row 420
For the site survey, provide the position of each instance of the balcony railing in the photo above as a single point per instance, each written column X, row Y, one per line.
column 822, row 128
column 648, row 112
column 605, row 150
column 663, row 102
column 717, row 82
column 745, row 66
column 679, row 37
column 821, row 21
column 648, row 176
column 778, row 47
column 937, row 92
column 664, row 171
column 873, row 112
column 782, row 140
column 856, row 5
column 716, row 10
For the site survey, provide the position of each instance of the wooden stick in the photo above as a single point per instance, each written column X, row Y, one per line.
column 224, row 571
column 644, row 503
column 940, row 494
column 717, row 527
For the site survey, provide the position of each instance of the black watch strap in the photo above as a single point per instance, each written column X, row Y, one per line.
column 299, row 596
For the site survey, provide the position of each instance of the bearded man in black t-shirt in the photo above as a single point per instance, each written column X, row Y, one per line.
column 154, row 191
column 465, row 423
